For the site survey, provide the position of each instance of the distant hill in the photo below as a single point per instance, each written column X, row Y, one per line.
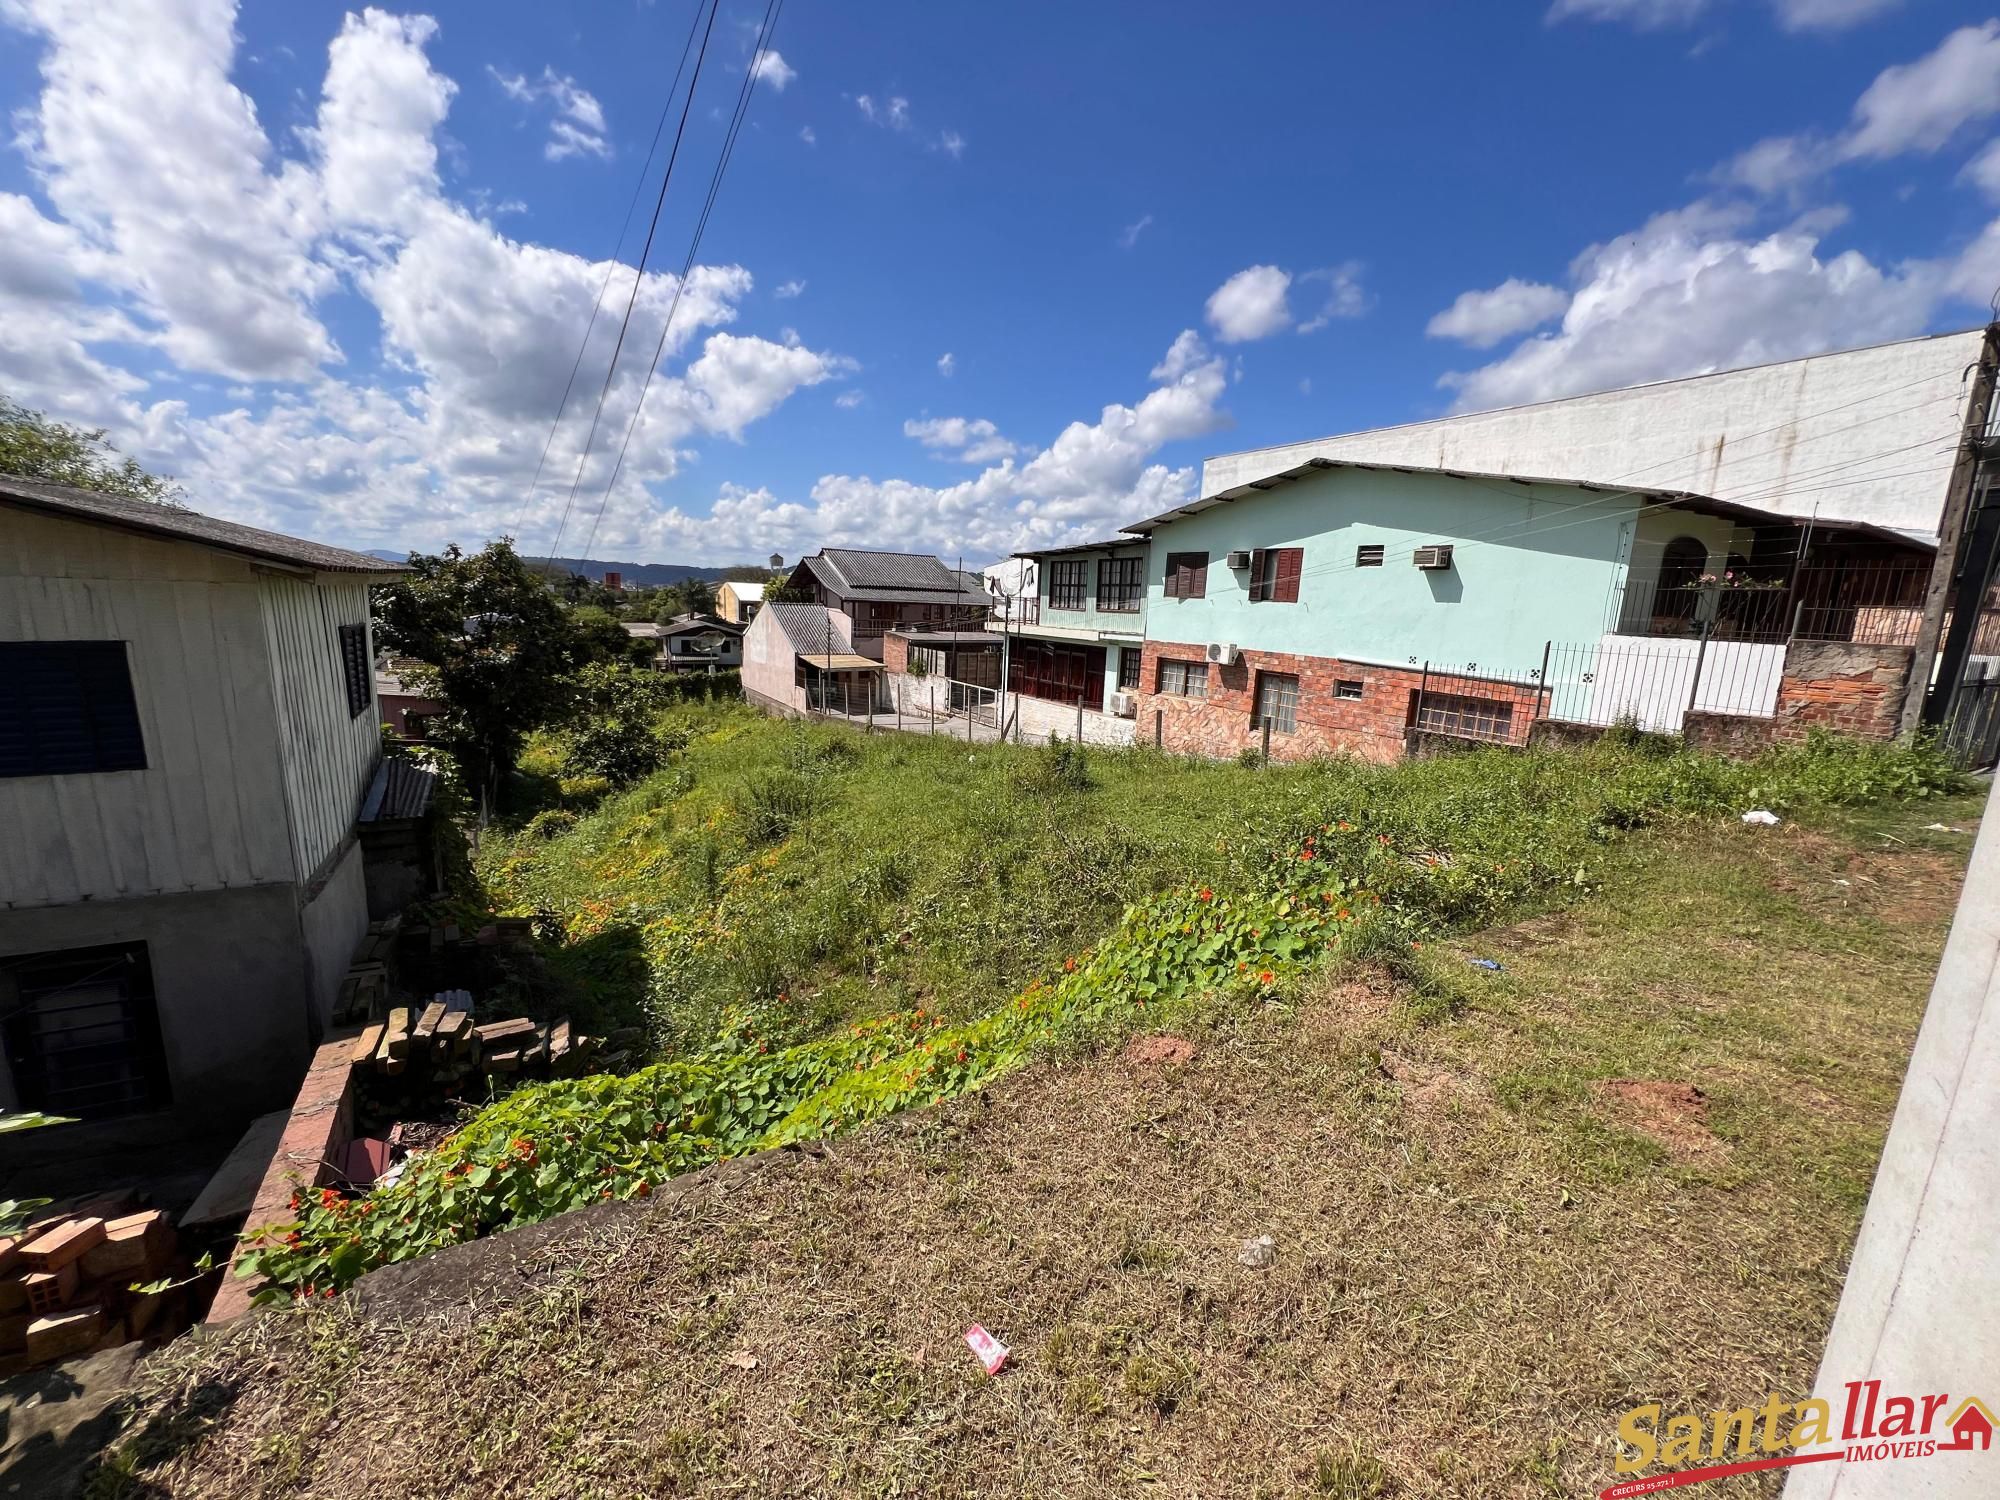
column 636, row 574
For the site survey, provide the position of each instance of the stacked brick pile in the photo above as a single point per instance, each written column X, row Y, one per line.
column 68, row 1286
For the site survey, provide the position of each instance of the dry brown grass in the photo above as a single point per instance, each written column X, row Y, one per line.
column 1483, row 1256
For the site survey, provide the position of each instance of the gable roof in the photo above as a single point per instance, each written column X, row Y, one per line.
column 884, row 570
column 171, row 523
column 812, row 629
column 1749, row 515
column 681, row 624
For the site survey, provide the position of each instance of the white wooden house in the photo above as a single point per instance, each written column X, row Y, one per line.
column 188, row 726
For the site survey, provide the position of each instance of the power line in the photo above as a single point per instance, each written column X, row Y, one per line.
column 638, row 278
column 772, row 10
column 610, row 266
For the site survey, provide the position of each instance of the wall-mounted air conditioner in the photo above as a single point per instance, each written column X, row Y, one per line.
column 1239, row 560
column 1125, row 705
column 1433, row 558
column 1222, row 653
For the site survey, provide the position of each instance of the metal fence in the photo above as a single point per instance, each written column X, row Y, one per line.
column 1868, row 602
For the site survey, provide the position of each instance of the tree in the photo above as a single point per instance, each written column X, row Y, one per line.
column 33, row 447
column 487, row 637
column 691, row 596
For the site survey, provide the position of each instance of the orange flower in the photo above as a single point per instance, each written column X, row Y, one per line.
column 643, row 1188
column 1305, row 854
column 1382, row 838
column 1207, row 894
column 1069, row 966
column 1343, row 914
column 1266, row 977
column 1416, row 945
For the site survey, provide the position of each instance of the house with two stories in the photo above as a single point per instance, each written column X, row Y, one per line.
column 1075, row 637
column 800, row 659
column 879, row 591
column 188, row 733
column 692, row 643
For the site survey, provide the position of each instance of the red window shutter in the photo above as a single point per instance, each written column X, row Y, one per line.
column 1257, row 590
column 1173, row 588
column 1291, row 562
column 1197, row 584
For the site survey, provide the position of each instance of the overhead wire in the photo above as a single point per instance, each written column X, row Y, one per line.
column 610, row 267
column 638, row 280
column 772, row 10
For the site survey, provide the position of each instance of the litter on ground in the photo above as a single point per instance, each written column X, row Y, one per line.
column 1491, row 966
column 1761, row 818
column 989, row 1350
column 1258, row 1253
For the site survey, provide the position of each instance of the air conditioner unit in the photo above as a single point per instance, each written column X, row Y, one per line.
column 1222, row 653
column 1239, row 560
column 1125, row 705
column 1433, row 558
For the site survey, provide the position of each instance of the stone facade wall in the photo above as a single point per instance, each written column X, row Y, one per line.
column 1834, row 685
column 1373, row 727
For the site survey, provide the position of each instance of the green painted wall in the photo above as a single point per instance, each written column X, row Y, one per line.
column 1090, row 617
column 1503, row 597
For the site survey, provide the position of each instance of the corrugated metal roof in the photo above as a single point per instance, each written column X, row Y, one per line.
column 812, row 629
column 1109, row 545
column 401, row 790
column 855, row 569
column 176, row 524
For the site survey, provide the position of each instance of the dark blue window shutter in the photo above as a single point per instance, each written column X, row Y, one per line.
column 66, row 708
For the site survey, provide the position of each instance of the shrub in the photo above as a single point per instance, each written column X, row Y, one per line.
column 774, row 804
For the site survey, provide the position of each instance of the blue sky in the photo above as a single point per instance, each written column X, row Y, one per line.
column 332, row 268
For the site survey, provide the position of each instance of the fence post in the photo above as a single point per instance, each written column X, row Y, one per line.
column 1423, row 686
column 1079, row 720
column 1159, row 729
column 934, row 709
column 1543, row 686
column 971, row 713
column 1267, row 740
column 871, row 704
column 1694, row 688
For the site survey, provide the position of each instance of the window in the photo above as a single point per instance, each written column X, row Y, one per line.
column 1187, row 575
column 1466, row 717
column 66, row 708
column 1121, row 584
column 1274, row 574
column 1368, row 555
column 1278, row 701
column 355, row 668
column 81, row 1033
column 1128, row 668
column 1349, row 689
column 1183, row 679
column 1066, row 585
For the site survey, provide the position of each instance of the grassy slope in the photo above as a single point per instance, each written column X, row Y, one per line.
column 1482, row 1258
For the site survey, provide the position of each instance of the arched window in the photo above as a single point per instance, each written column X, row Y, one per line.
column 1682, row 561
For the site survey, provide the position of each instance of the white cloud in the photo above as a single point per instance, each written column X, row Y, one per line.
column 807, row 135
column 1920, row 106
column 1657, row 15
column 1483, row 319
column 848, row 400
column 1186, row 352
column 1250, row 305
column 969, row 440
column 1983, row 171
column 177, row 227
column 1647, row 15
column 894, row 114
column 1345, row 296
column 947, row 365
column 577, row 125
column 1129, row 235
column 789, row 289
column 1697, row 290
column 770, row 67
column 952, row 144
column 1830, row 15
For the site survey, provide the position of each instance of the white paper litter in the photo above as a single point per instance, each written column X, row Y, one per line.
column 1761, row 818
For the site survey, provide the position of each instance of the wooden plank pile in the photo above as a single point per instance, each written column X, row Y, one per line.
column 450, row 1048
column 365, row 989
column 66, row 1286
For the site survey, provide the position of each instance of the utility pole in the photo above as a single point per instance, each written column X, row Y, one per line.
column 1958, row 502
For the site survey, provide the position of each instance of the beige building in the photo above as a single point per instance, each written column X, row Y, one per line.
column 188, row 726
column 738, row 602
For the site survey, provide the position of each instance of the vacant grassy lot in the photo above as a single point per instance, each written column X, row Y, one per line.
column 1498, row 1222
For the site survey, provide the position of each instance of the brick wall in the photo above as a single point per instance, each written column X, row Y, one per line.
column 895, row 653
column 1372, row 727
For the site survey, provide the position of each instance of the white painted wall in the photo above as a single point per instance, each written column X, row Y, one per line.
column 329, row 753
column 1842, row 432
column 1649, row 679
column 209, row 810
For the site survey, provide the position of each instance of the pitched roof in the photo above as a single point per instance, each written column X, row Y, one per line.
column 812, row 629
column 680, row 624
column 175, row 524
column 1748, row 515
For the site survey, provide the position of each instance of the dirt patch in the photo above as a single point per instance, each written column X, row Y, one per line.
column 1428, row 1088
column 1674, row 1114
column 1159, row 1051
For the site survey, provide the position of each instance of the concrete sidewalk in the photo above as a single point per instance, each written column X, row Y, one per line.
column 1921, row 1309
